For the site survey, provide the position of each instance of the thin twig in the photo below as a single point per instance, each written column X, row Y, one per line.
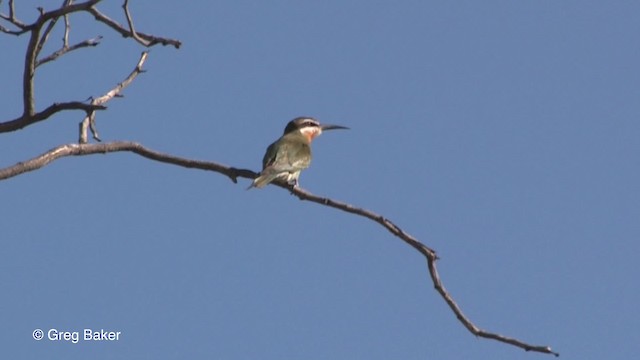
column 52, row 23
column 132, row 29
column 152, row 40
column 116, row 90
column 45, row 35
column 89, row 120
column 66, row 49
column 12, row 17
column 12, row 32
column 234, row 173
column 65, row 41
column 67, row 29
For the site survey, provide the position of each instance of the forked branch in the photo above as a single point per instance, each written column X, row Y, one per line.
column 234, row 173
column 147, row 40
column 90, row 120
column 39, row 33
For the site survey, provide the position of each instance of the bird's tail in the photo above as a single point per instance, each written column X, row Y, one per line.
column 265, row 178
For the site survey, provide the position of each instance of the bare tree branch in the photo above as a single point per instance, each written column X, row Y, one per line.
column 11, row 18
column 11, row 32
column 132, row 29
column 52, row 23
column 67, row 29
column 234, row 173
column 65, row 40
column 90, row 119
column 117, row 146
column 35, row 43
column 150, row 39
column 431, row 258
column 65, row 49
column 38, row 38
column 24, row 121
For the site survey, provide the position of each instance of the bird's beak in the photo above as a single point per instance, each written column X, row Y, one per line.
column 332, row 127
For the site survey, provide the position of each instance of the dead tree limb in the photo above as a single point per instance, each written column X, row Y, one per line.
column 11, row 18
column 39, row 32
column 90, row 120
column 234, row 173
column 148, row 40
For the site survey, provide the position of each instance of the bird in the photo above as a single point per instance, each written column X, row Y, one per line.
column 291, row 153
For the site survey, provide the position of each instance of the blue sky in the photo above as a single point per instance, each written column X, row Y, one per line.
column 503, row 134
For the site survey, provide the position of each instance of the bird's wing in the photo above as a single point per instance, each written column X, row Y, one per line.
column 284, row 157
column 269, row 156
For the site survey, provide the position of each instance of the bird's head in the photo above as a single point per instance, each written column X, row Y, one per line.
column 309, row 127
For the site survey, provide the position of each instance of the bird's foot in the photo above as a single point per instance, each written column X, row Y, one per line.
column 293, row 184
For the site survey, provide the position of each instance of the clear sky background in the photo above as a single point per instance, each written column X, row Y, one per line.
column 504, row 134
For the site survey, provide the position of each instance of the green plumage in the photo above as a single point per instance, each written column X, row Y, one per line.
column 284, row 159
column 291, row 150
